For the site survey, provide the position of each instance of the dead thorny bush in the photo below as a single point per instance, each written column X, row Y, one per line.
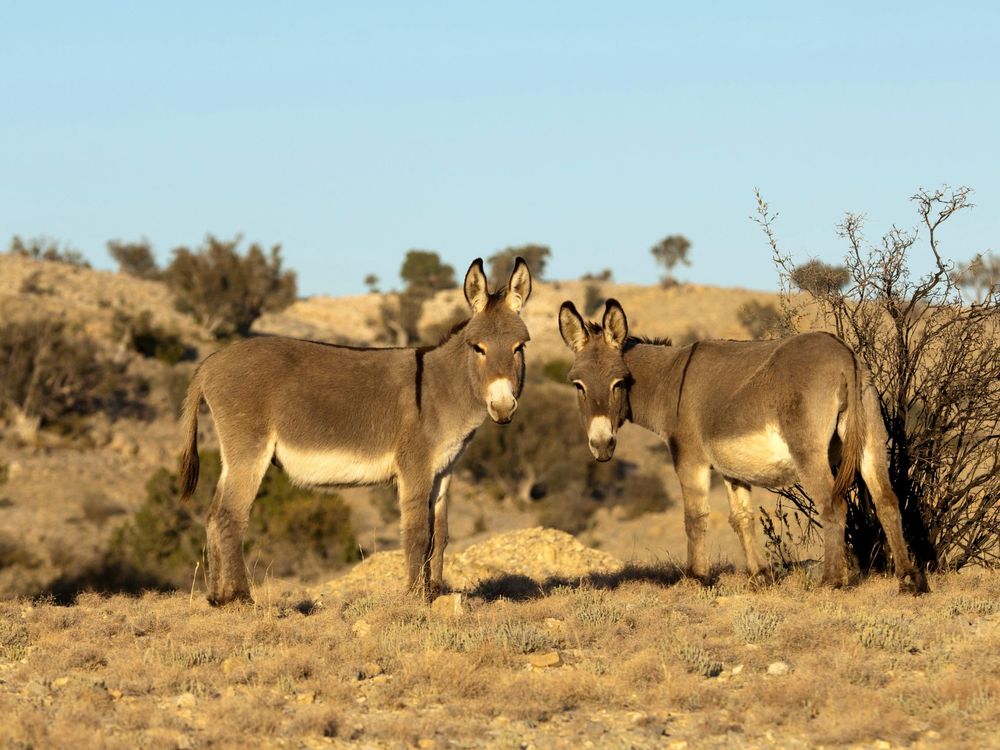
column 53, row 376
column 934, row 359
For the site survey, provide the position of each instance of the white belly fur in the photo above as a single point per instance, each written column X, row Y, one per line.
column 759, row 458
column 333, row 467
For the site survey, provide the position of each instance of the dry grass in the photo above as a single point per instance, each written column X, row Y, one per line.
column 643, row 664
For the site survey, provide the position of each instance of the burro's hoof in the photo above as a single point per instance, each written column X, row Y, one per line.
column 239, row 597
column 914, row 582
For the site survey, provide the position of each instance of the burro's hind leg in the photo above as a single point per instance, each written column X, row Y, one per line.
column 817, row 481
column 440, row 540
column 416, row 493
column 227, row 525
column 875, row 472
column 741, row 519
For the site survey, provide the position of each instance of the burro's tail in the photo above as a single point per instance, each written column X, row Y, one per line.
column 853, row 437
column 190, row 467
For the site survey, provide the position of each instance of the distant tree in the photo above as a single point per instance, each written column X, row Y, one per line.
column 134, row 258
column 502, row 261
column 423, row 269
column 979, row 275
column 225, row 291
column 819, row 278
column 371, row 281
column 43, row 248
column 606, row 275
column 670, row 251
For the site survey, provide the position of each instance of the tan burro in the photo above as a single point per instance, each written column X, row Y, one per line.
column 339, row 415
column 761, row 413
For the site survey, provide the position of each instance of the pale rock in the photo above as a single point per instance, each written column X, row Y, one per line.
column 449, row 605
column 778, row 668
column 361, row 628
column 544, row 660
column 883, row 745
column 186, row 700
column 738, row 669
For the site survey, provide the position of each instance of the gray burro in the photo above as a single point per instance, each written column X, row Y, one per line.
column 340, row 415
column 761, row 413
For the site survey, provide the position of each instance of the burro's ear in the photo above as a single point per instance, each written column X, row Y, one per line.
column 476, row 292
column 571, row 327
column 519, row 286
column 615, row 324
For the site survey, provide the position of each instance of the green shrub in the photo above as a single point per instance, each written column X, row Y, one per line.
column 150, row 340
column 43, row 248
column 225, row 291
column 697, row 660
column 292, row 531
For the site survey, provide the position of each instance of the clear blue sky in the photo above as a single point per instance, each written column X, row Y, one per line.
column 351, row 132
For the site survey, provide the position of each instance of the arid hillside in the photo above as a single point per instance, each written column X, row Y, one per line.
column 64, row 492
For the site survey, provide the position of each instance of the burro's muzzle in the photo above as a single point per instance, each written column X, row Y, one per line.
column 601, row 438
column 500, row 401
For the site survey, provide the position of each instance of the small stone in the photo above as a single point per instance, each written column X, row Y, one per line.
column 636, row 717
column 554, row 623
column 115, row 693
column 372, row 669
column 678, row 745
column 544, row 660
column 426, row 743
column 778, row 668
column 361, row 628
column 738, row 669
column 932, row 734
column 449, row 605
column 59, row 682
column 309, row 697
column 883, row 745
column 186, row 700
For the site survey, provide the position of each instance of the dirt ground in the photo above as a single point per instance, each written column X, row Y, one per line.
column 603, row 655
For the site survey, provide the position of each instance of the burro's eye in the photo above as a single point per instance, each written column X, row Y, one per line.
column 580, row 388
column 618, row 385
column 519, row 349
column 479, row 349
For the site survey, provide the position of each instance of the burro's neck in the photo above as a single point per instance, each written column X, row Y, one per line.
column 655, row 372
column 447, row 396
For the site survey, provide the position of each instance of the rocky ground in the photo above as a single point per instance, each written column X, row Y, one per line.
column 542, row 643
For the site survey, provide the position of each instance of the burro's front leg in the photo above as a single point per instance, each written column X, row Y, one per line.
column 416, row 521
column 440, row 534
column 695, row 479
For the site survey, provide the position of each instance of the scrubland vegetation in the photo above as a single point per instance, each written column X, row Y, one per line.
column 636, row 659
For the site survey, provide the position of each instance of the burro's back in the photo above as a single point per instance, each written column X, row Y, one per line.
column 336, row 415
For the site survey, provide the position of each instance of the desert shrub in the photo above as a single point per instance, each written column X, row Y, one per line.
column 43, row 248
column 98, row 508
column 756, row 624
column 557, row 370
column 399, row 315
column 697, row 660
column 934, row 360
column 593, row 299
column 4, row 473
column 606, row 275
column 14, row 640
column 32, row 284
column 134, row 258
column 501, row 263
column 979, row 275
column 762, row 320
column 291, row 531
column 967, row 605
column 597, row 608
column 819, row 278
column 541, row 460
column 54, row 376
column 140, row 334
column 886, row 632
column 14, row 552
column 225, row 291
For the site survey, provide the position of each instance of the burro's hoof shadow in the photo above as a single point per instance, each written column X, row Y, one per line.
column 914, row 582
column 517, row 587
column 234, row 599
